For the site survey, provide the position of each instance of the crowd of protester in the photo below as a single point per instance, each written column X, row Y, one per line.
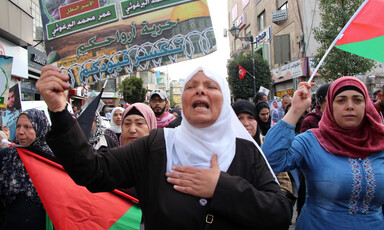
column 210, row 163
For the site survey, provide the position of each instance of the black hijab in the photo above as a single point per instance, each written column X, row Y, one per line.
column 247, row 107
column 264, row 126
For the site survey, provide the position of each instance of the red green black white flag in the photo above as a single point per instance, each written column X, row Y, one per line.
column 70, row 206
column 364, row 36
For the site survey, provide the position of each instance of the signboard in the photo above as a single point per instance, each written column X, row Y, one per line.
column 292, row 70
column 93, row 40
column 280, row 15
column 263, row 36
column 241, row 21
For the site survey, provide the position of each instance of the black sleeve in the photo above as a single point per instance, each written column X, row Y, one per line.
column 110, row 169
column 254, row 200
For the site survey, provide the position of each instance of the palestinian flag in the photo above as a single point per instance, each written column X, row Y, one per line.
column 71, row 206
column 364, row 36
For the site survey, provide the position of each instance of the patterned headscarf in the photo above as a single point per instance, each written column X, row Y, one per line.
column 14, row 178
column 41, row 125
column 97, row 130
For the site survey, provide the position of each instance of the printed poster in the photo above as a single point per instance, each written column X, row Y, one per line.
column 5, row 79
column 13, row 110
column 93, row 40
column 264, row 90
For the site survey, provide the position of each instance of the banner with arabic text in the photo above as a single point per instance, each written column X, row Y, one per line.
column 92, row 40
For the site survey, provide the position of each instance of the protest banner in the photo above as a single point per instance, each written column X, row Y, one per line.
column 93, row 40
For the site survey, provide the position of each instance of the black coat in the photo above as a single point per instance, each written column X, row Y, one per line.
column 246, row 196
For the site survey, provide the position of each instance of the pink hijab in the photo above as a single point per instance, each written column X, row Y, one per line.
column 366, row 139
column 148, row 114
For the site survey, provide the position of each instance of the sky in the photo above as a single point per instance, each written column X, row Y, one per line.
column 217, row 59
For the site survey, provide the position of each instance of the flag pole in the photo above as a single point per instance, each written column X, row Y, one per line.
column 105, row 83
column 247, row 72
column 340, row 35
column 250, row 75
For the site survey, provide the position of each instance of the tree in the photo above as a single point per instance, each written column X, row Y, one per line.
column 243, row 88
column 335, row 14
column 132, row 90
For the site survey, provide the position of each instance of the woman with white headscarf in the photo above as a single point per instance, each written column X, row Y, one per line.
column 114, row 131
column 240, row 191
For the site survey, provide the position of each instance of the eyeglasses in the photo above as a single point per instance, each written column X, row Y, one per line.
column 157, row 100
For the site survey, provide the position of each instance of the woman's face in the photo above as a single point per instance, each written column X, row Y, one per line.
column 349, row 109
column 117, row 117
column 249, row 122
column 25, row 133
column 202, row 100
column 264, row 114
column 134, row 127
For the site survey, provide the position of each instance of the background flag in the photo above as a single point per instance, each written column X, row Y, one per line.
column 365, row 34
column 242, row 72
column 71, row 206
column 86, row 118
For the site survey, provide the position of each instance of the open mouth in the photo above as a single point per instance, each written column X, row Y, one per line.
column 200, row 105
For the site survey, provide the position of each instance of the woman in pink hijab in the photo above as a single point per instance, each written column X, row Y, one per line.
column 342, row 160
column 138, row 121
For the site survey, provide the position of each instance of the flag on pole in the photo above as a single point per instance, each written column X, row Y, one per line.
column 86, row 118
column 71, row 206
column 242, row 72
column 364, row 36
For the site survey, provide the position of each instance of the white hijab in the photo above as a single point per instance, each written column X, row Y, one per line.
column 115, row 128
column 191, row 146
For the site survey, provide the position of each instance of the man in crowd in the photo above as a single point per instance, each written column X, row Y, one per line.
column 259, row 97
column 278, row 113
column 158, row 102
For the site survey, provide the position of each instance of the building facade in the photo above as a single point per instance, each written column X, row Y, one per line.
column 281, row 30
column 283, row 36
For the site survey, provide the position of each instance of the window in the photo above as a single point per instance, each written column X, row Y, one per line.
column 247, row 31
column 281, row 48
column 284, row 6
column 37, row 24
column 261, row 21
column 281, row 3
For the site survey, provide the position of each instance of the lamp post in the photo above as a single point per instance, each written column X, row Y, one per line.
column 235, row 33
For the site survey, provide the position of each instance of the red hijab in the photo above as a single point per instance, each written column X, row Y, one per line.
column 366, row 139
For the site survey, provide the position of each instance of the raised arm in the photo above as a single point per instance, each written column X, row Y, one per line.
column 52, row 86
column 280, row 148
column 300, row 102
